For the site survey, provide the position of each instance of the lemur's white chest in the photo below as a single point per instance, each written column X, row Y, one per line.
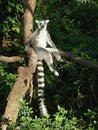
column 42, row 39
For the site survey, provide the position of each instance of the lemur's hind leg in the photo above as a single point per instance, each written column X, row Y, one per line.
column 47, row 57
column 49, row 62
column 55, row 52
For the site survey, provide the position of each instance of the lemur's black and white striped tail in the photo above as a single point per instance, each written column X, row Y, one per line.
column 41, row 85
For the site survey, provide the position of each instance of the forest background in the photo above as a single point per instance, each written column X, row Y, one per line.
column 74, row 28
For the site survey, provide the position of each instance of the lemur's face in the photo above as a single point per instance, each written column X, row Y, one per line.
column 42, row 23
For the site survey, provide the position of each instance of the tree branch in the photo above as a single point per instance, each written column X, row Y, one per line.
column 79, row 60
column 70, row 56
column 11, row 59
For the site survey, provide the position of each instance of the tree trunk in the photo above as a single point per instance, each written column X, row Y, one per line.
column 23, row 82
column 29, row 6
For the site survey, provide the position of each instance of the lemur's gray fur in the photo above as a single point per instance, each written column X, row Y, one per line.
column 39, row 40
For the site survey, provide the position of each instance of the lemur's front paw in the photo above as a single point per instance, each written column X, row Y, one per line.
column 61, row 60
column 64, row 61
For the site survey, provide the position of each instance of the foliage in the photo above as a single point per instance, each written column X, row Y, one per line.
column 61, row 120
column 10, row 20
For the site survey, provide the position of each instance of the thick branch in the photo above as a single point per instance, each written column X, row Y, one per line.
column 11, row 59
column 79, row 60
column 20, row 88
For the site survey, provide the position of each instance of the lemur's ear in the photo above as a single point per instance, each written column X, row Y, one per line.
column 36, row 21
column 47, row 21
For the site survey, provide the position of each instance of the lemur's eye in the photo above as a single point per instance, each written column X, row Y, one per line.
column 42, row 24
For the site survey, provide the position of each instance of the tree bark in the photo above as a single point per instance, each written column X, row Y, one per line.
column 21, row 86
column 29, row 6
column 23, row 82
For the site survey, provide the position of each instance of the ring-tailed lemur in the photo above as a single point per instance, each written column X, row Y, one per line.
column 39, row 40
